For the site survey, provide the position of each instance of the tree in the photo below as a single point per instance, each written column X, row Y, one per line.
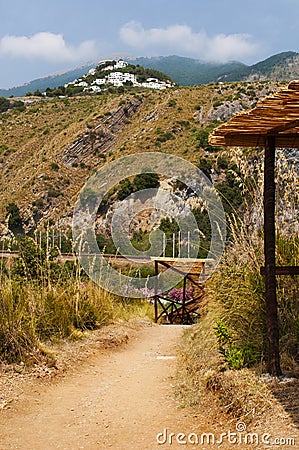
column 14, row 218
column 125, row 190
column 205, row 165
column 146, row 181
column 4, row 104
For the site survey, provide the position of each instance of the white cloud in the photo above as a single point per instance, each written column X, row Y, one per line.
column 181, row 38
column 46, row 46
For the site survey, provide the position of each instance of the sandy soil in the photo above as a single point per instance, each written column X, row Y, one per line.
column 121, row 398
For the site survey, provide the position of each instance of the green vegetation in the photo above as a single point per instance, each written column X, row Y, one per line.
column 6, row 104
column 14, row 219
column 202, row 136
column 265, row 67
column 189, row 72
column 140, row 182
column 54, row 166
column 230, row 191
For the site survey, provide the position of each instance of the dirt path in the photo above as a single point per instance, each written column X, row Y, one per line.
column 119, row 400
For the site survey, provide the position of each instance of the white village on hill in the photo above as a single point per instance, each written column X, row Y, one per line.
column 116, row 78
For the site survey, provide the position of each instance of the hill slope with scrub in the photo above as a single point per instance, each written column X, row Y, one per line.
column 50, row 147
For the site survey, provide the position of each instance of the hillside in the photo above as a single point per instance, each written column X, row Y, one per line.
column 113, row 74
column 52, row 147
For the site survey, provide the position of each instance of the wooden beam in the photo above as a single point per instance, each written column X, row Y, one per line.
column 283, row 270
column 269, row 250
column 286, row 140
column 286, row 126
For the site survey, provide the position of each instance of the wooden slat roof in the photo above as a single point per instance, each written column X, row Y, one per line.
column 276, row 115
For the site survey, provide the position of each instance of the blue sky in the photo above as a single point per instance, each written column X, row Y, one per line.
column 41, row 37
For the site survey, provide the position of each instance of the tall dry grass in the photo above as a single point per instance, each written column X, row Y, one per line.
column 41, row 300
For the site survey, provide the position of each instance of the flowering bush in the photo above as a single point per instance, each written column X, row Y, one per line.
column 176, row 294
column 143, row 292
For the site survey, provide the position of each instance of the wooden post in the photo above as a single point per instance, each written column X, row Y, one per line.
column 156, row 291
column 173, row 245
column 164, row 245
column 179, row 244
column 269, row 250
column 184, row 300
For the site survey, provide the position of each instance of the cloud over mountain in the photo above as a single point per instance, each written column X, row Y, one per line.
column 46, row 46
column 181, row 38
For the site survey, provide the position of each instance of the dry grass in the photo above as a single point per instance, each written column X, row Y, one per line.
column 203, row 377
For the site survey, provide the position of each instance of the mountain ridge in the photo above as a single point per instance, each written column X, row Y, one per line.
column 182, row 70
column 49, row 81
column 188, row 71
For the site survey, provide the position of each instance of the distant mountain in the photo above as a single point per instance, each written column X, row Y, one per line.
column 51, row 81
column 283, row 66
column 188, row 71
column 184, row 71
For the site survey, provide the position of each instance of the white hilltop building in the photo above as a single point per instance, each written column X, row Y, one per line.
column 99, row 81
column 120, row 78
column 117, row 79
column 154, row 83
column 120, row 64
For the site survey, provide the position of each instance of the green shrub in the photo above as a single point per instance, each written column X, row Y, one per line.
column 237, row 357
column 15, row 223
column 4, row 104
column 54, row 166
column 53, row 193
column 171, row 102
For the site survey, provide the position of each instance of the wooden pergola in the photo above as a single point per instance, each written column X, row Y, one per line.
column 273, row 123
